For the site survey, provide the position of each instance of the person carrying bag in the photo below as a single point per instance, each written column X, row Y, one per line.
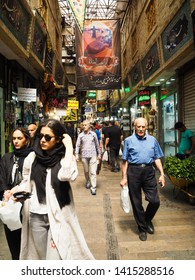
column 11, row 165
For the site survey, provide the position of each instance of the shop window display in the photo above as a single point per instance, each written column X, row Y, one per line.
column 169, row 117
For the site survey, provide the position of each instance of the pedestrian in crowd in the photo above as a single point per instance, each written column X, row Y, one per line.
column 103, row 133
column 141, row 151
column 113, row 143
column 187, row 142
column 95, row 128
column 32, row 129
column 71, row 132
column 11, row 165
column 80, row 128
column 117, row 123
column 50, row 228
column 87, row 142
column 103, row 136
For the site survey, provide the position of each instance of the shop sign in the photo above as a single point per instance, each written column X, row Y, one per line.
column 144, row 98
column 91, row 95
column 92, row 101
column 88, row 110
column 73, row 104
column 101, row 106
column 27, row 94
column 71, row 115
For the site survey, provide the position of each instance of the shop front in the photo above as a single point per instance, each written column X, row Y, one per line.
column 168, row 103
column 144, row 105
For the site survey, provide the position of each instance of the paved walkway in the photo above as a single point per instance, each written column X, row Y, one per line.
column 111, row 234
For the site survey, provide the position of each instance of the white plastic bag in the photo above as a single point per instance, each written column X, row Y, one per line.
column 10, row 214
column 105, row 156
column 125, row 200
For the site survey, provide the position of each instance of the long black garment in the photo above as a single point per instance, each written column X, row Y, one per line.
column 6, row 183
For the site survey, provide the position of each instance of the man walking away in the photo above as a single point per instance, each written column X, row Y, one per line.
column 113, row 142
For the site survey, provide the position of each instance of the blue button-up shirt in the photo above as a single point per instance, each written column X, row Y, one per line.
column 141, row 150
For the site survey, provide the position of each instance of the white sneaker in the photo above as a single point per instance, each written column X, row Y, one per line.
column 93, row 192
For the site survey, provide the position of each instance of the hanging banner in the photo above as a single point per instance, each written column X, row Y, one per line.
column 78, row 8
column 98, row 55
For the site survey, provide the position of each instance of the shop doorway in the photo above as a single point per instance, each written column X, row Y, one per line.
column 169, row 118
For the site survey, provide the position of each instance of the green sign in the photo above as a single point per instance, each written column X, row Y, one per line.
column 91, row 94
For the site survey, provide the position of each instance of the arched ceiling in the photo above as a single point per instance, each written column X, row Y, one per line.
column 77, row 11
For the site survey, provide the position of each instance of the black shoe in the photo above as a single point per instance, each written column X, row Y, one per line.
column 143, row 236
column 113, row 170
column 150, row 227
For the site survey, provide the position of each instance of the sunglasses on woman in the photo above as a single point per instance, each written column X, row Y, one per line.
column 46, row 136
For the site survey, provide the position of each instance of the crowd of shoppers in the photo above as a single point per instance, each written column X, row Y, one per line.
column 44, row 163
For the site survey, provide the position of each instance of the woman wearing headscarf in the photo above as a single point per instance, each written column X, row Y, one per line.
column 11, row 165
column 50, row 228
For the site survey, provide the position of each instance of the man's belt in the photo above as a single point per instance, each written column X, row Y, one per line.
column 140, row 165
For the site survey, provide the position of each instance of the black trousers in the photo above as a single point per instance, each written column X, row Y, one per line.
column 13, row 241
column 114, row 157
column 143, row 179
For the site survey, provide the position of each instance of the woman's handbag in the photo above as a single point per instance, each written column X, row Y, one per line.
column 125, row 200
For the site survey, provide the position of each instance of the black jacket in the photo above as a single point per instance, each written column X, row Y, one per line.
column 6, row 166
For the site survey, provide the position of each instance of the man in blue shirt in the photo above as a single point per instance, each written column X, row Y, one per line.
column 141, row 151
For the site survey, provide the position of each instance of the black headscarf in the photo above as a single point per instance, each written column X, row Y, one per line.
column 49, row 159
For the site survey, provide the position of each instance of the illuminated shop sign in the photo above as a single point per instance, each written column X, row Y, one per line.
column 91, row 95
column 144, row 98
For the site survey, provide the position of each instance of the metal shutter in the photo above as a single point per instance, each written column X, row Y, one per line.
column 189, row 100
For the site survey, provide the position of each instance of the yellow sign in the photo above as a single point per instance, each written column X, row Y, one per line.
column 71, row 116
column 73, row 104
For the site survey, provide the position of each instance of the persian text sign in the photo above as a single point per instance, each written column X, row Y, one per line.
column 73, row 104
column 144, row 98
column 27, row 94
